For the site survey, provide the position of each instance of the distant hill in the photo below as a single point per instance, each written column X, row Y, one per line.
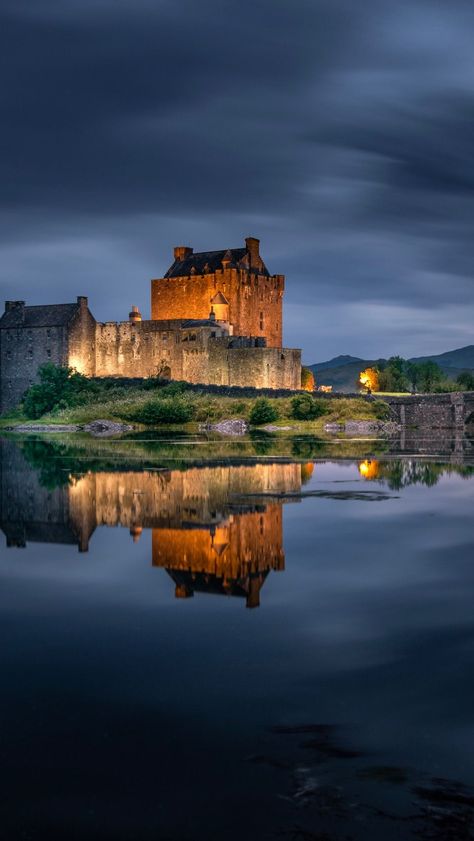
column 462, row 358
column 342, row 372
column 337, row 362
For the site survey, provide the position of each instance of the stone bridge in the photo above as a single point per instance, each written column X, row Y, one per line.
column 450, row 411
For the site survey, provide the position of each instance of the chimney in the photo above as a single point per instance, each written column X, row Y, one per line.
column 135, row 315
column 14, row 305
column 82, row 301
column 253, row 248
column 182, row 252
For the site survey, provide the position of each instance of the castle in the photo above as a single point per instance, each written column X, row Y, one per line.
column 216, row 318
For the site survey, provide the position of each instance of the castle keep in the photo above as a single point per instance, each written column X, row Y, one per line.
column 216, row 318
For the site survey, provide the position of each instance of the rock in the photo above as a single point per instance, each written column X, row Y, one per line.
column 371, row 427
column 97, row 428
column 236, row 426
column 102, row 428
column 43, row 427
column 334, row 427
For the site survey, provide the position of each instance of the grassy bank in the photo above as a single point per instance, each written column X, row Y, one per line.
column 141, row 407
column 65, row 397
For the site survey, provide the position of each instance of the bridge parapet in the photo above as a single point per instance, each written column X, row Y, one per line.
column 448, row 411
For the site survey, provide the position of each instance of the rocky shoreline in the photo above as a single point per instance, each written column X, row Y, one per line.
column 97, row 428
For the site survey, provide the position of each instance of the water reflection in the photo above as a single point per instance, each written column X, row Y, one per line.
column 343, row 709
column 205, row 534
column 215, row 528
column 400, row 473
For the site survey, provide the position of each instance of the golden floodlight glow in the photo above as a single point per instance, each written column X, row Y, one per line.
column 76, row 364
column 369, row 379
column 369, row 469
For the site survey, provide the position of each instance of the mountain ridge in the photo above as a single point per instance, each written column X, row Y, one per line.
column 342, row 375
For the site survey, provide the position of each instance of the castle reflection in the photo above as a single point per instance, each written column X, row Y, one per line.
column 204, row 533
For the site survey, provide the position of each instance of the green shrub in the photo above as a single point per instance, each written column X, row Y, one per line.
column 381, row 410
column 263, row 411
column 59, row 388
column 164, row 411
column 466, row 381
column 305, row 407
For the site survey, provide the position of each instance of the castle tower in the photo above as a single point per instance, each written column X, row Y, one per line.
column 233, row 283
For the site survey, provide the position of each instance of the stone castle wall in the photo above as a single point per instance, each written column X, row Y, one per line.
column 255, row 301
column 81, row 338
column 22, row 352
column 148, row 349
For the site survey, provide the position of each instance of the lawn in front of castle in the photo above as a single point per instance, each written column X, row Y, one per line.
column 65, row 397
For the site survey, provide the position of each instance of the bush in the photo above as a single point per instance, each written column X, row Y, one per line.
column 163, row 411
column 59, row 388
column 305, row 407
column 466, row 381
column 263, row 411
column 381, row 410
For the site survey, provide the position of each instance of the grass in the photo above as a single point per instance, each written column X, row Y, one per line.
column 124, row 404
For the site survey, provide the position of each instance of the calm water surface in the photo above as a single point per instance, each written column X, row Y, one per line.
column 262, row 644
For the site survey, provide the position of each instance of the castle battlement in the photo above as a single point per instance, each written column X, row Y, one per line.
column 216, row 318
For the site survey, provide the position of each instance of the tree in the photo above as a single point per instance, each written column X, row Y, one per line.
column 369, row 379
column 59, row 387
column 393, row 376
column 428, row 375
column 307, row 379
column 466, row 381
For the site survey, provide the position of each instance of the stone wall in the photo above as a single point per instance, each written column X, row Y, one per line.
column 81, row 340
column 147, row 349
column 433, row 410
column 272, row 368
column 22, row 352
column 255, row 301
column 143, row 349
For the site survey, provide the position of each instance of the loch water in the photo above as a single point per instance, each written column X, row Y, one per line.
column 268, row 638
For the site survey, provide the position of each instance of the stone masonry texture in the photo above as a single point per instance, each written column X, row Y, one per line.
column 216, row 319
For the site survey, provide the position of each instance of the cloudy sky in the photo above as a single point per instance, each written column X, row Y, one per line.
column 340, row 132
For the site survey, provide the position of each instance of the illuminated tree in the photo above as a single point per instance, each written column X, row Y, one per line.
column 307, row 379
column 369, row 379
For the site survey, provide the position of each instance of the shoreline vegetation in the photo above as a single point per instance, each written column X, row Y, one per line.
column 64, row 397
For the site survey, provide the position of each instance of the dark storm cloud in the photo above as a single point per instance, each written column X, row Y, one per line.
column 341, row 133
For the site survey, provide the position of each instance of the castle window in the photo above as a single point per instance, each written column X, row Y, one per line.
column 30, row 353
column 213, row 334
column 261, row 321
column 30, row 336
column 165, row 337
column 9, row 354
column 48, row 334
column 48, row 353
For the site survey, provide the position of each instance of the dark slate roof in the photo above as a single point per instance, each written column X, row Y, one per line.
column 199, row 322
column 207, row 262
column 51, row 315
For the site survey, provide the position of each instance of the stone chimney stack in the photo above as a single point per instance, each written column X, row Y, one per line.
column 253, row 248
column 182, row 252
column 135, row 315
column 82, row 301
column 14, row 305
